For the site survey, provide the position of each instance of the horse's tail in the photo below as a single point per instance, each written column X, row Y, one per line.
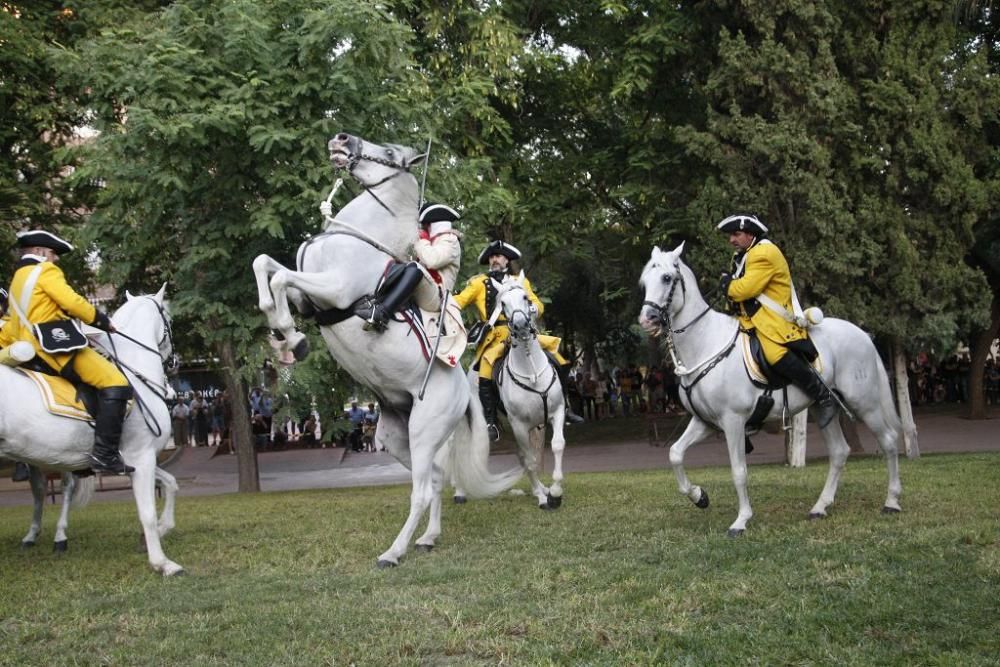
column 887, row 404
column 469, row 460
column 83, row 491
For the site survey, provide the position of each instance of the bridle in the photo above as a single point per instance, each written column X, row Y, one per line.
column 522, row 334
column 706, row 365
column 170, row 363
column 354, row 159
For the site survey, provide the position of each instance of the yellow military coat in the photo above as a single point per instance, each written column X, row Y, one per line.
column 493, row 344
column 53, row 299
column 765, row 271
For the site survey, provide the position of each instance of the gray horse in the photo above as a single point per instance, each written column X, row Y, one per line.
column 531, row 392
column 718, row 393
column 339, row 271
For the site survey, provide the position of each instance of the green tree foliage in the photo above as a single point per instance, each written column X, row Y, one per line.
column 42, row 112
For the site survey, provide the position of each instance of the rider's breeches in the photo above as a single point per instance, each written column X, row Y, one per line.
column 92, row 368
column 551, row 345
column 773, row 352
column 490, row 354
column 427, row 295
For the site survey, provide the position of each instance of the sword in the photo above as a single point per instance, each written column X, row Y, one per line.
column 437, row 342
column 423, row 178
column 836, row 396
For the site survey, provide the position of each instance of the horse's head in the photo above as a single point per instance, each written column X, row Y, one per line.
column 146, row 320
column 517, row 307
column 369, row 163
column 660, row 280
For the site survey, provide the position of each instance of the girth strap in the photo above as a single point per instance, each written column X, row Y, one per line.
column 361, row 308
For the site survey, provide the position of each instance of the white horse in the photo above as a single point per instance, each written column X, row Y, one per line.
column 29, row 433
column 77, row 492
column 718, row 393
column 530, row 391
column 339, row 271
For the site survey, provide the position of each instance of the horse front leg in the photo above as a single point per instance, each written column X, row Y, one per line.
column 530, row 446
column 557, row 421
column 695, row 432
column 736, row 443
column 37, row 481
column 61, row 543
column 168, row 484
column 144, row 490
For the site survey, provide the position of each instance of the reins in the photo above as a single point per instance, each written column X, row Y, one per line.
column 524, row 340
column 159, row 390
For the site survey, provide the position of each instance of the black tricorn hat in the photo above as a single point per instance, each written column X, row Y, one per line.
column 431, row 212
column 498, row 247
column 742, row 223
column 37, row 238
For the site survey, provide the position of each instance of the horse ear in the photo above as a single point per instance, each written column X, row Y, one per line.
column 520, row 277
column 679, row 249
column 128, row 295
column 163, row 290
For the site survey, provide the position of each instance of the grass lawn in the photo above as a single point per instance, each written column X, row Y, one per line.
column 628, row 572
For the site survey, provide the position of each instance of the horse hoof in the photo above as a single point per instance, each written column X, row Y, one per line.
column 424, row 548
column 27, row 545
column 383, row 564
column 301, row 349
column 60, row 547
column 545, row 507
column 703, row 501
column 813, row 516
column 555, row 502
column 460, row 500
column 735, row 532
column 891, row 510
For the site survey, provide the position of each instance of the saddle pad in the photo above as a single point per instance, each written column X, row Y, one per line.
column 58, row 395
column 753, row 369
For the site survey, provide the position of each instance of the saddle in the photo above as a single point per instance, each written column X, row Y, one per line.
column 63, row 398
column 763, row 375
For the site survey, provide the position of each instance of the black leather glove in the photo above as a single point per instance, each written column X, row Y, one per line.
column 102, row 321
column 724, row 281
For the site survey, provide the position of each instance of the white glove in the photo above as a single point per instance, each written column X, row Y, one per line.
column 326, row 209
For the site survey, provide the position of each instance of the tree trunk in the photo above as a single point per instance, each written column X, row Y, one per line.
column 795, row 441
column 241, row 437
column 979, row 349
column 903, row 400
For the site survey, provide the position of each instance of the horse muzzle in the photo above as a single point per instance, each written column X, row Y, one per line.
column 650, row 321
column 343, row 148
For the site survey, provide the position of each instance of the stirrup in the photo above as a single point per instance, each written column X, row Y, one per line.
column 494, row 432
column 111, row 466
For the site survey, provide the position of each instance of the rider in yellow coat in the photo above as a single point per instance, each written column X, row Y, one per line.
column 759, row 269
column 479, row 292
column 51, row 299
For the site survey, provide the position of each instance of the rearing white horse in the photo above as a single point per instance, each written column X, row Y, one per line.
column 716, row 390
column 531, row 392
column 340, row 270
column 29, row 433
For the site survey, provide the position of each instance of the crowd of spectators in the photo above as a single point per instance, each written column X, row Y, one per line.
column 624, row 391
column 201, row 418
column 948, row 381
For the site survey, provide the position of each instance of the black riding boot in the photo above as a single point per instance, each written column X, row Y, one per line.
column 21, row 472
column 793, row 367
column 112, row 403
column 489, row 398
column 563, row 372
column 396, row 294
